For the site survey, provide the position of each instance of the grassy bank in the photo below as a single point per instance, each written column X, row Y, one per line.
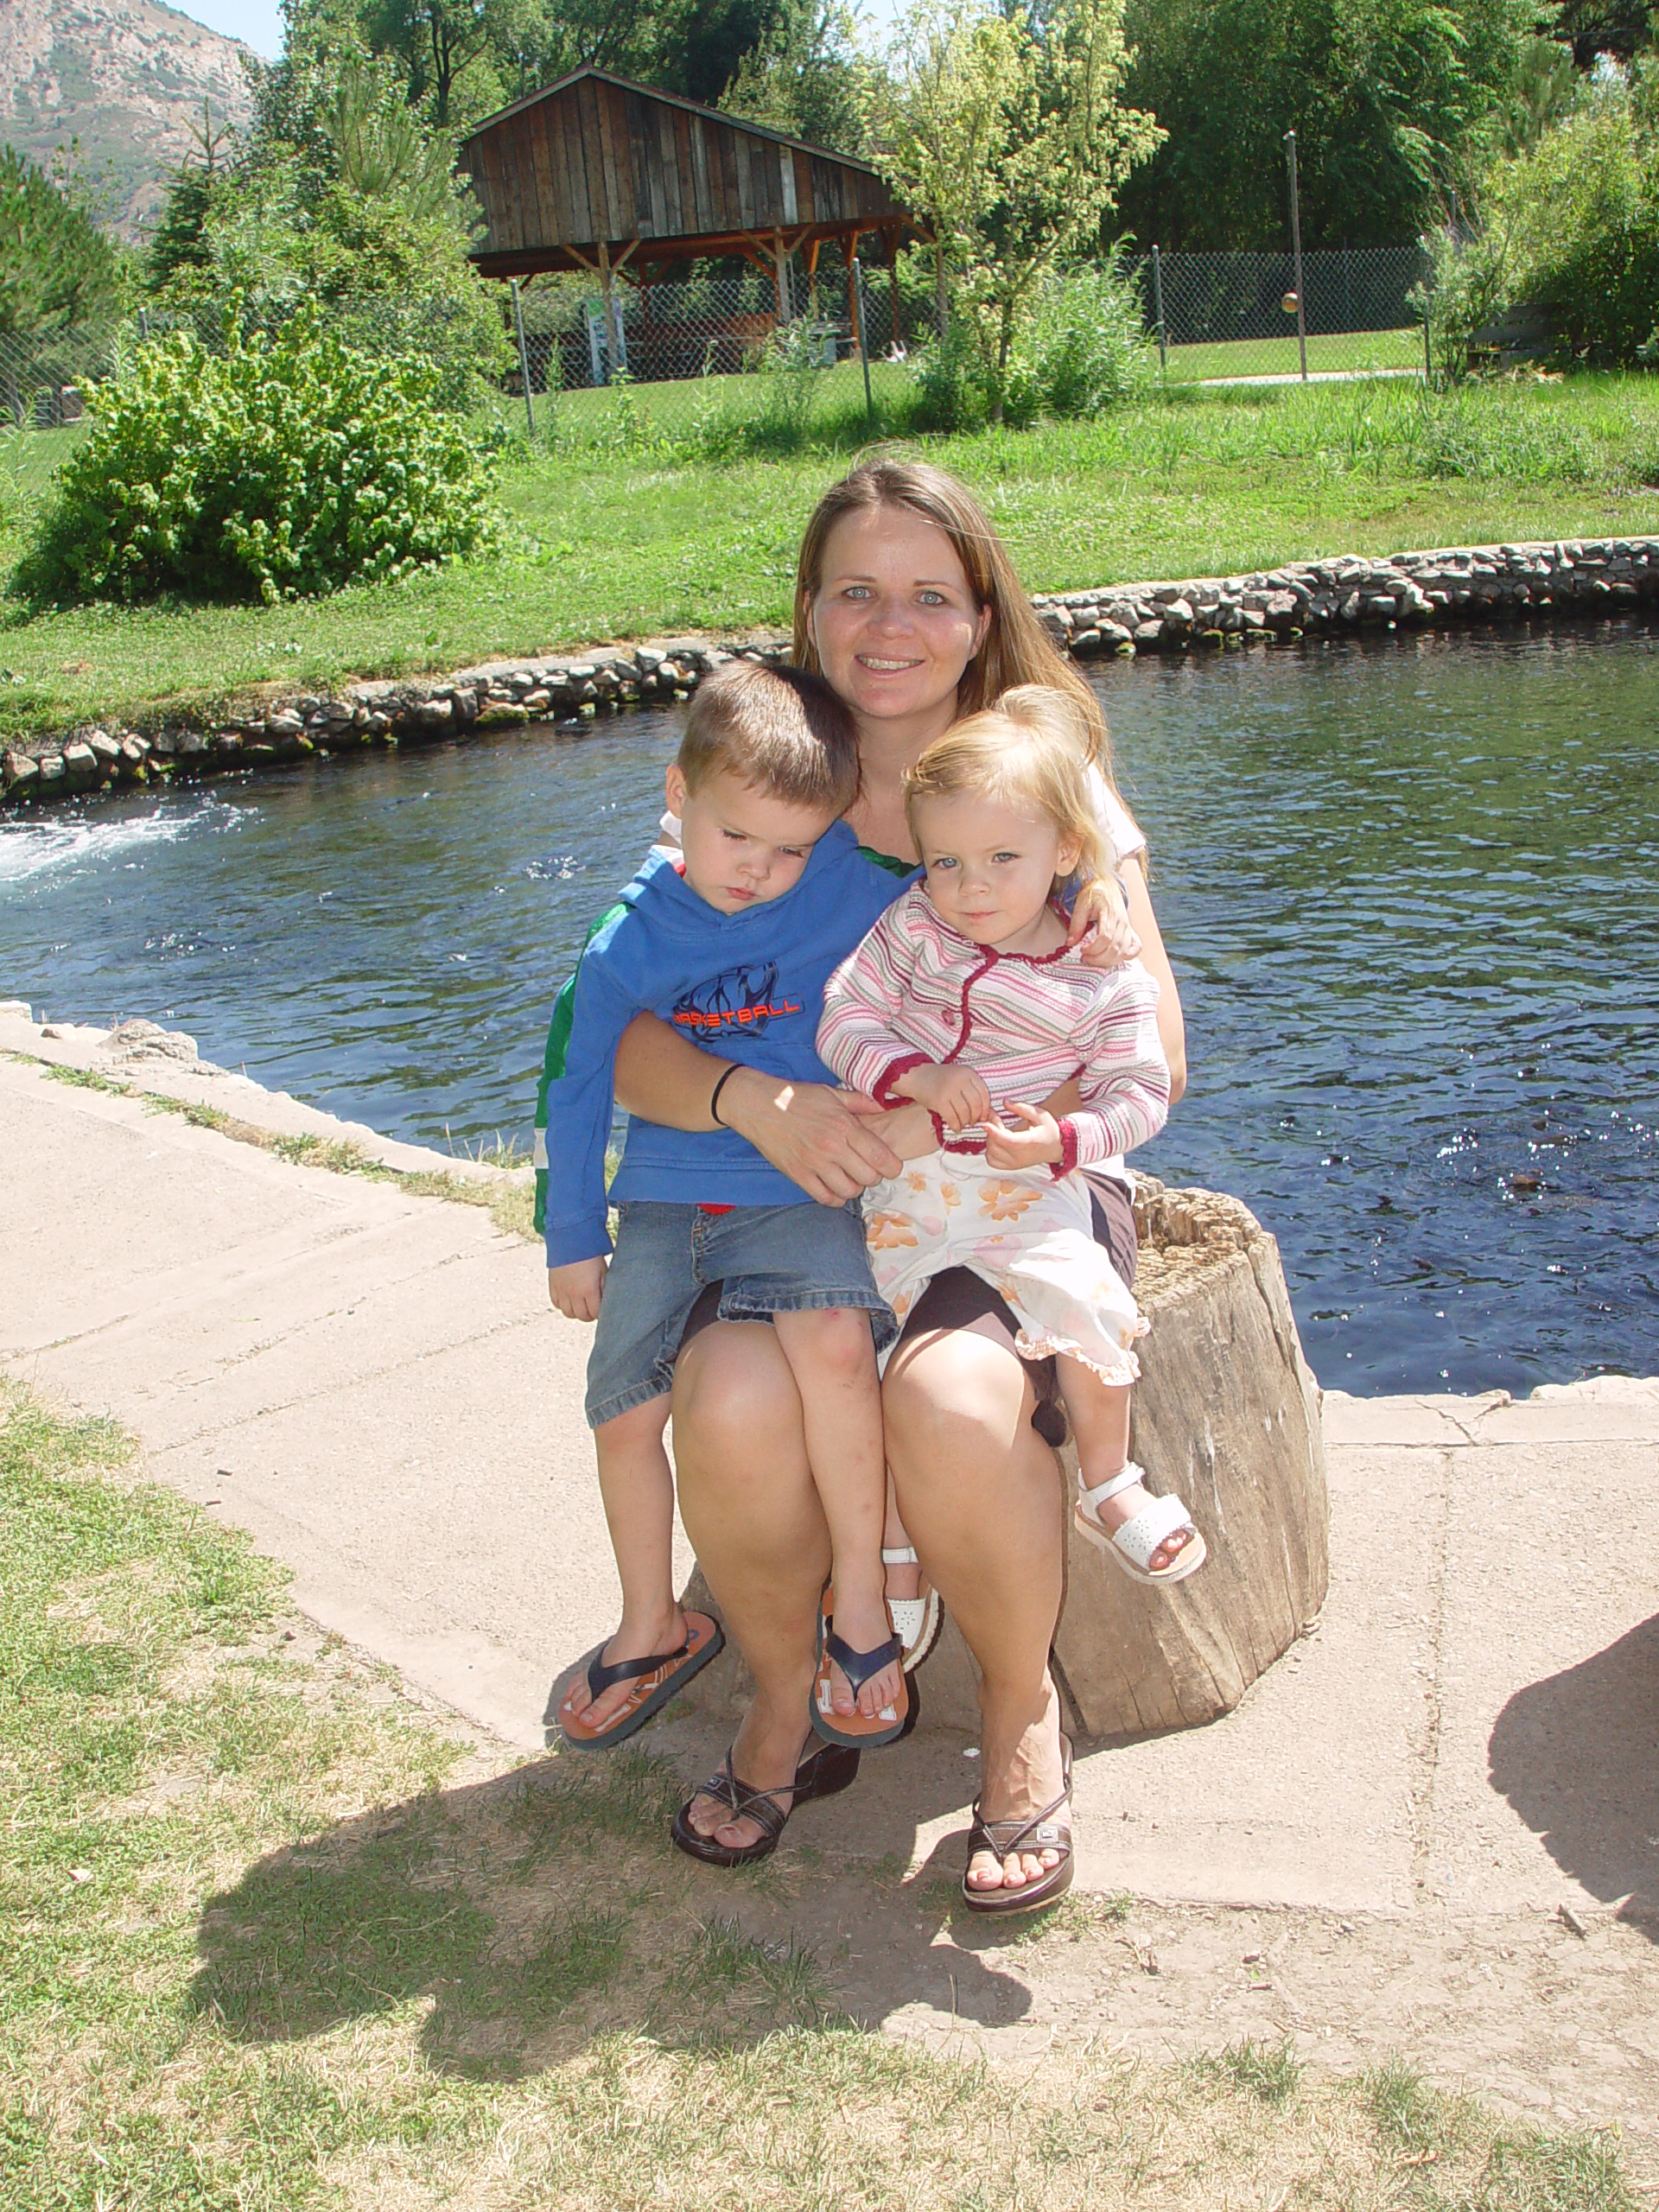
column 274, row 1938
column 619, row 525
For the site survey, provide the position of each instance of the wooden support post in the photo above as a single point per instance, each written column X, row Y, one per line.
column 780, row 275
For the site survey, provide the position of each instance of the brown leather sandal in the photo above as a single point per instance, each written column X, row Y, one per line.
column 830, row 1768
column 1040, row 1832
column 662, row 1675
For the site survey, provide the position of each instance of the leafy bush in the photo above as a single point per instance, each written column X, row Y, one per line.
column 1467, row 290
column 952, row 391
column 286, row 466
column 1085, row 348
column 1584, row 207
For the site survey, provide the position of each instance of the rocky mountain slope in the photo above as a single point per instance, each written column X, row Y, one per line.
column 127, row 78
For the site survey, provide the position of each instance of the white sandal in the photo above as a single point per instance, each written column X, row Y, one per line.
column 1132, row 1544
column 916, row 1621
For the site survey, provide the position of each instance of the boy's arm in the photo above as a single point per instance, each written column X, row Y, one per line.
column 860, row 1037
column 579, row 1105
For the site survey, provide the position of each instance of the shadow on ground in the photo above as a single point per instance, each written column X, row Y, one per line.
column 1577, row 1756
column 537, row 1910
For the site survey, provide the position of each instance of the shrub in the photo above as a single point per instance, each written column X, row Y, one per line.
column 1085, row 348
column 287, row 465
column 1467, row 290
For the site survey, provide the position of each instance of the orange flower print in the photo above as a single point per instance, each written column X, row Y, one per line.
column 950, row 1195
column 1005, row 1201
column 887, row 1232
column 916, row 1181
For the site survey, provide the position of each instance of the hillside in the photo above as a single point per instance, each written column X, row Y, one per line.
column 127, row 78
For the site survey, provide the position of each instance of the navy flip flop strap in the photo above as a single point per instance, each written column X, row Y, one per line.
column 860, row 1666
column 600, row 1678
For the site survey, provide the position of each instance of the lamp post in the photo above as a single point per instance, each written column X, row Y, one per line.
column 1296, row 249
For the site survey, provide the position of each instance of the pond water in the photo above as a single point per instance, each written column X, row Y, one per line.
column 1411, row 891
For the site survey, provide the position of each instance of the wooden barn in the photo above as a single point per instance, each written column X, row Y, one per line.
column 595, row 172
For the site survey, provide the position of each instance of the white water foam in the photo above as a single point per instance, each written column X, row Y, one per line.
column 31, row 849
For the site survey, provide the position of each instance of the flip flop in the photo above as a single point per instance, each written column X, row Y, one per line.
column 853, row 1729
column 1041, row 1831
column 655, row 1680
column 830, row 1768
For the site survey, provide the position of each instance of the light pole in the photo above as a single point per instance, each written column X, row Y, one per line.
column 1296, row 249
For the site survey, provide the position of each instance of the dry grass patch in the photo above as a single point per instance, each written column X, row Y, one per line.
column 273, row 1937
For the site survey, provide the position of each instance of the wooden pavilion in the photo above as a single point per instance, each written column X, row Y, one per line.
column 595, row 171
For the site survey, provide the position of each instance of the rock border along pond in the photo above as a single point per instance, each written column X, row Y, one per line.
column 1306, row 599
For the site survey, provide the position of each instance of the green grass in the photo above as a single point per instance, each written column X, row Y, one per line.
column 1360, row 352
column 274, row 1939
column 620, row 526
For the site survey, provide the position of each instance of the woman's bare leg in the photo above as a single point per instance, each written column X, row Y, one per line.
column 751, row 1511
column 981, row 1497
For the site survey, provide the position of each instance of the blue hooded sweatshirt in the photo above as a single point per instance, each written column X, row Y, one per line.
column 748, row 986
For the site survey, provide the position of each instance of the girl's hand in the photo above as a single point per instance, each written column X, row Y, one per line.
column 956, row 1094
column 828, row 1141
column 577, row 1287
column 1037, row 1144
column 1102, row 906
column 909, row 1129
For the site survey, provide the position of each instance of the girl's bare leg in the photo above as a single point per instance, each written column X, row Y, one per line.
column 1099, row 1414
column 832, row 1357
column 981, row 1495
column 753, row 1516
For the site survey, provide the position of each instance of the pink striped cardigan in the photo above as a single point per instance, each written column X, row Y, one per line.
column 916, row 990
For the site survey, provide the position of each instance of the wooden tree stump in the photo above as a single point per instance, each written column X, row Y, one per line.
column 1227, row 1414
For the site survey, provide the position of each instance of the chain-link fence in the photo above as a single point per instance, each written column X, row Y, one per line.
column 1224, row 318
column 789, row 344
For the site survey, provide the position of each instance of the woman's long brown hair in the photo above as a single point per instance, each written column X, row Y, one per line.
column 1017, row 649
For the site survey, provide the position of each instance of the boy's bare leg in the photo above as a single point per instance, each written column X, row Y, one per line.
column 833, row 1360
column 1099, row 1414
column 638, row 1486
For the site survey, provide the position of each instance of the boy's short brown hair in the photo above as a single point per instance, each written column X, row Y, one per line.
column 778, row 730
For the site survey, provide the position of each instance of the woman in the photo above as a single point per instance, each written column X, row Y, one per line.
column 907, row 603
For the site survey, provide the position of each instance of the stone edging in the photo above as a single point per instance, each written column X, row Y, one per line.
column 1467, row 584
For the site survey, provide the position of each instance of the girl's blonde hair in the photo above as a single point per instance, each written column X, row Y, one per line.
column 1017, row 651
column 1030, row 752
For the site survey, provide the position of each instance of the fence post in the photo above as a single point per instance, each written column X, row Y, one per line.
column 524, row 357
column 863, row 343
column 1158, row 309
column 1296, row 248
column 1428, row 351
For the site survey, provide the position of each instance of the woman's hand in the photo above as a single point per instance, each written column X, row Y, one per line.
column 577, row 1287
column 1035, row 1144
column 1102, row 907
column 828, row 1142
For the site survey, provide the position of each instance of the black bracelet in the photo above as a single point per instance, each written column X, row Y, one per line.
column 713, row 1102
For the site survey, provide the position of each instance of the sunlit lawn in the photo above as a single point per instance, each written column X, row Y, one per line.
column 616, row 527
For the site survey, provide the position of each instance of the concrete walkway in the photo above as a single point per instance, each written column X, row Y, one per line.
column 372, row 1384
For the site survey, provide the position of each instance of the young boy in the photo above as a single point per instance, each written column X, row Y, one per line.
column 733, row 943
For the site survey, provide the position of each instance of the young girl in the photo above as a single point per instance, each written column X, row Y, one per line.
column 965, row 995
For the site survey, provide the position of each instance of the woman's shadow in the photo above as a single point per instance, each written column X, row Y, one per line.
column 1577, row 1756
column 526, row 1914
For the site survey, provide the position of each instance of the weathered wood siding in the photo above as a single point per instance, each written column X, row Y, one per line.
column 597, row 159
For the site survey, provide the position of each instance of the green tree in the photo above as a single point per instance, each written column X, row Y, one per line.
column 179, row 238
column 1008, row 137
column 807, row 76
column 57, row 269
column 1391, row 100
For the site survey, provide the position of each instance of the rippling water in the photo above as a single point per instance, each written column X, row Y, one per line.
column 1410, row 890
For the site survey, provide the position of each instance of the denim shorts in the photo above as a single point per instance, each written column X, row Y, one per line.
column 767, row 1259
